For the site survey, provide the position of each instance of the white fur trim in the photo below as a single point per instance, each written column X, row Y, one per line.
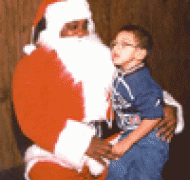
column 29, row 48
column 95, row 167
column 73, row 142
column 59, row 13
column 180, row 120
column 35, row 154
column 89, row 62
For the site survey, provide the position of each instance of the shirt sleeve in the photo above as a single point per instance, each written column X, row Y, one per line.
column 149, row 104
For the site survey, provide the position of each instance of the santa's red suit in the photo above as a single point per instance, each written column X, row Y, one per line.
column 57, row 89
column 50, row 106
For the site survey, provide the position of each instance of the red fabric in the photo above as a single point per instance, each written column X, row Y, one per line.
column 49, row 171
column 110, row 112
column 45, row 97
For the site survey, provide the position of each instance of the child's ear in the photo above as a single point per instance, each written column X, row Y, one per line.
column 141, row 54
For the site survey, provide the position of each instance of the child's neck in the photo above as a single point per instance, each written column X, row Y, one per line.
column 131, row 65
column 132, row 70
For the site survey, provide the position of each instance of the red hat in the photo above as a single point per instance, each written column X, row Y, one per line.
column 41, row 10
column 57, row 13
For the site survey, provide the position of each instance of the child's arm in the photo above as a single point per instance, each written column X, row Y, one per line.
column 144, row 128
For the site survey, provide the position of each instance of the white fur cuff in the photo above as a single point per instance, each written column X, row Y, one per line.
column 168, row 99
column 73, row 142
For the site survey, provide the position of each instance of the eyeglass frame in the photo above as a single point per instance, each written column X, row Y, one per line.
column 127, row 45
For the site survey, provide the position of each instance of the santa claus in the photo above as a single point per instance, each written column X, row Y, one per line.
column 60, row 86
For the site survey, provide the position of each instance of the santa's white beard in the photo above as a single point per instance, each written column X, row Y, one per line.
column 89, row 62
column 83, row 54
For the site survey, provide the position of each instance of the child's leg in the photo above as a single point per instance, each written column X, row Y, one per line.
column 144, row 161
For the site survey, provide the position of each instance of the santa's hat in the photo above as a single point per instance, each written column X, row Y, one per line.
column 56, row 14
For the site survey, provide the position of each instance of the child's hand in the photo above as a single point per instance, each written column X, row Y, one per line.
column 120, row 148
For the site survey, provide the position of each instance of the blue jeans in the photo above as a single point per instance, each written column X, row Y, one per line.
column 144, row 161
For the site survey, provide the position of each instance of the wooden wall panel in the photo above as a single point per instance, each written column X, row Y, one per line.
column 9, row 154
column 15, row 23
column 27, row 14
column 100, row 9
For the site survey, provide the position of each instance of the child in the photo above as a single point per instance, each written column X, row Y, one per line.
column 137, row 101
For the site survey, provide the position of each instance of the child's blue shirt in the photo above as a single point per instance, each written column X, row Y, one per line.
column 136, row 96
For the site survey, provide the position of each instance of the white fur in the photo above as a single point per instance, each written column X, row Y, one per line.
column 72, row 147
column 29, row 48
column 65, row 153
column 169, row 99
column 89, row 62
column 95, row 167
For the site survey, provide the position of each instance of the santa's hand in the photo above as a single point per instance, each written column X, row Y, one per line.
column 168, row 124
column 100, row 149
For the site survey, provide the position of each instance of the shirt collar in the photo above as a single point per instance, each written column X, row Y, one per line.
column 129, row 71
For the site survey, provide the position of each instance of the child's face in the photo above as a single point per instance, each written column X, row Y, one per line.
column 124, row 50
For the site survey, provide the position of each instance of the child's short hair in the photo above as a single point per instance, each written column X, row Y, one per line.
column 143, row 36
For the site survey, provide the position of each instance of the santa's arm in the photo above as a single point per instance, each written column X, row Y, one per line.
column 169, row 100
column 173, row 121
column 49, row 109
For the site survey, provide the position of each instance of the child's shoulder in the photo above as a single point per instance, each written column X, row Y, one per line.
column 142, row 80
column 138, row 77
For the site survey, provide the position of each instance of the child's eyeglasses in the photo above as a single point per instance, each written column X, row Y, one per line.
column 122, row 45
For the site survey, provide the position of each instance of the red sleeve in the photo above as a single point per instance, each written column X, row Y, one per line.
column 45, row 97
